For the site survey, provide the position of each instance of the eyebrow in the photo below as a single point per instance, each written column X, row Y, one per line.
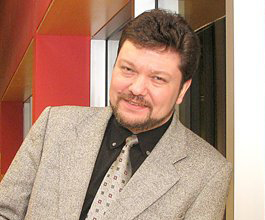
column 127, row 61
column 152, row 71
column 161, row 73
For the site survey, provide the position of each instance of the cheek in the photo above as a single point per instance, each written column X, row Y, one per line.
column 164, row 99
column 114, row 83
column 119, row 84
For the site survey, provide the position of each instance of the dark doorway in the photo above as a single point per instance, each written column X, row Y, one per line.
column 204, row 108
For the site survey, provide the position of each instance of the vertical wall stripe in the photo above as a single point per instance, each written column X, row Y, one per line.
column 98, row 73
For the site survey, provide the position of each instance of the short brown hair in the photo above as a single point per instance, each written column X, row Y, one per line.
column 156, row 29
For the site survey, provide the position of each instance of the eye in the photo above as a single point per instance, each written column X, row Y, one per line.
column 159, row 79
column 125, row 68
column 127, row 71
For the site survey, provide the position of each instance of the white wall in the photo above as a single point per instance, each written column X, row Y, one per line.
column 173, row 5
column 142, row 5
column 249, row 109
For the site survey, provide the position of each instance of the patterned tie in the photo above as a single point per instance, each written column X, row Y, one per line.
column 115, row 179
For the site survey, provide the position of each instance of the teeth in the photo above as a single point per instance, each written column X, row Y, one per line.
column 133, row 103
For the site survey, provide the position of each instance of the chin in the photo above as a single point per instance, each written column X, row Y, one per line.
column 132, row 119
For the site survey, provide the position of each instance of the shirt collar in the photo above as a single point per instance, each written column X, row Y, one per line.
column 147, row 139
column 118, row 133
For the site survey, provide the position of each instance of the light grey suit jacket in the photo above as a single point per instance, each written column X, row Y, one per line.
column 183, row 178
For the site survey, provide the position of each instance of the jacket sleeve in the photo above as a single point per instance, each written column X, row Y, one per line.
column 210, row 203
column 16, row 186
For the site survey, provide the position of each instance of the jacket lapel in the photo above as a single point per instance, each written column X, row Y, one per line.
column 77, row 159
column 154, row 177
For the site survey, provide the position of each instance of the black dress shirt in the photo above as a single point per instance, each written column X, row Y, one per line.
column 113, row 141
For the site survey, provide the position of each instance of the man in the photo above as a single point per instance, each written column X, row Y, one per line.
column 62, row 167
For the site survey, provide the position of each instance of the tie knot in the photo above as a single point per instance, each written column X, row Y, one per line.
column 131, row 140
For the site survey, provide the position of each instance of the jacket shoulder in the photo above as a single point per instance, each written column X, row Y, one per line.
column 60, row 118
column 75, row 113
column 203, row 154
column 75, row 110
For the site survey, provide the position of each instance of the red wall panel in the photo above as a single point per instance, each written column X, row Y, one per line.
column 62, row 72
column 18, row 23
column 11, row 128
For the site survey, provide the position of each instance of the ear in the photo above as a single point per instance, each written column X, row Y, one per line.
column 183, row 91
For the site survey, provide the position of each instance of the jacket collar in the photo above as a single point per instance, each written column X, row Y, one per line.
column 77, row 158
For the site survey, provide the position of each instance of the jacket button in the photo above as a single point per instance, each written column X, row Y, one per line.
column 148, row 153
column 181, row 216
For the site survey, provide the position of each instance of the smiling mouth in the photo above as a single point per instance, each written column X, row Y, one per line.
column 135, row 103
column 140, row 105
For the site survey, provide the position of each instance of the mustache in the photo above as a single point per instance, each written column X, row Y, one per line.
column 138, row 99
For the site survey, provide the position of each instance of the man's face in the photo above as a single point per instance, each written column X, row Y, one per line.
column 145, row 87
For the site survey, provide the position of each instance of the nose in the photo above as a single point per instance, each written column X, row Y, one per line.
column 138, row 86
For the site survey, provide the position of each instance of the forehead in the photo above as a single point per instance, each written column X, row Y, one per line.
column 149, row 57
column 156, row 47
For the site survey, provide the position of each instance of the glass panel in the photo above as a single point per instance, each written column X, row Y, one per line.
column 27, row 116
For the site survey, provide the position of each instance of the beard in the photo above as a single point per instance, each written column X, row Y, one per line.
column 137, row 125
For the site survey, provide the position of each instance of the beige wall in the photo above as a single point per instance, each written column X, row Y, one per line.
column 230, row 102
column 201, row 12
